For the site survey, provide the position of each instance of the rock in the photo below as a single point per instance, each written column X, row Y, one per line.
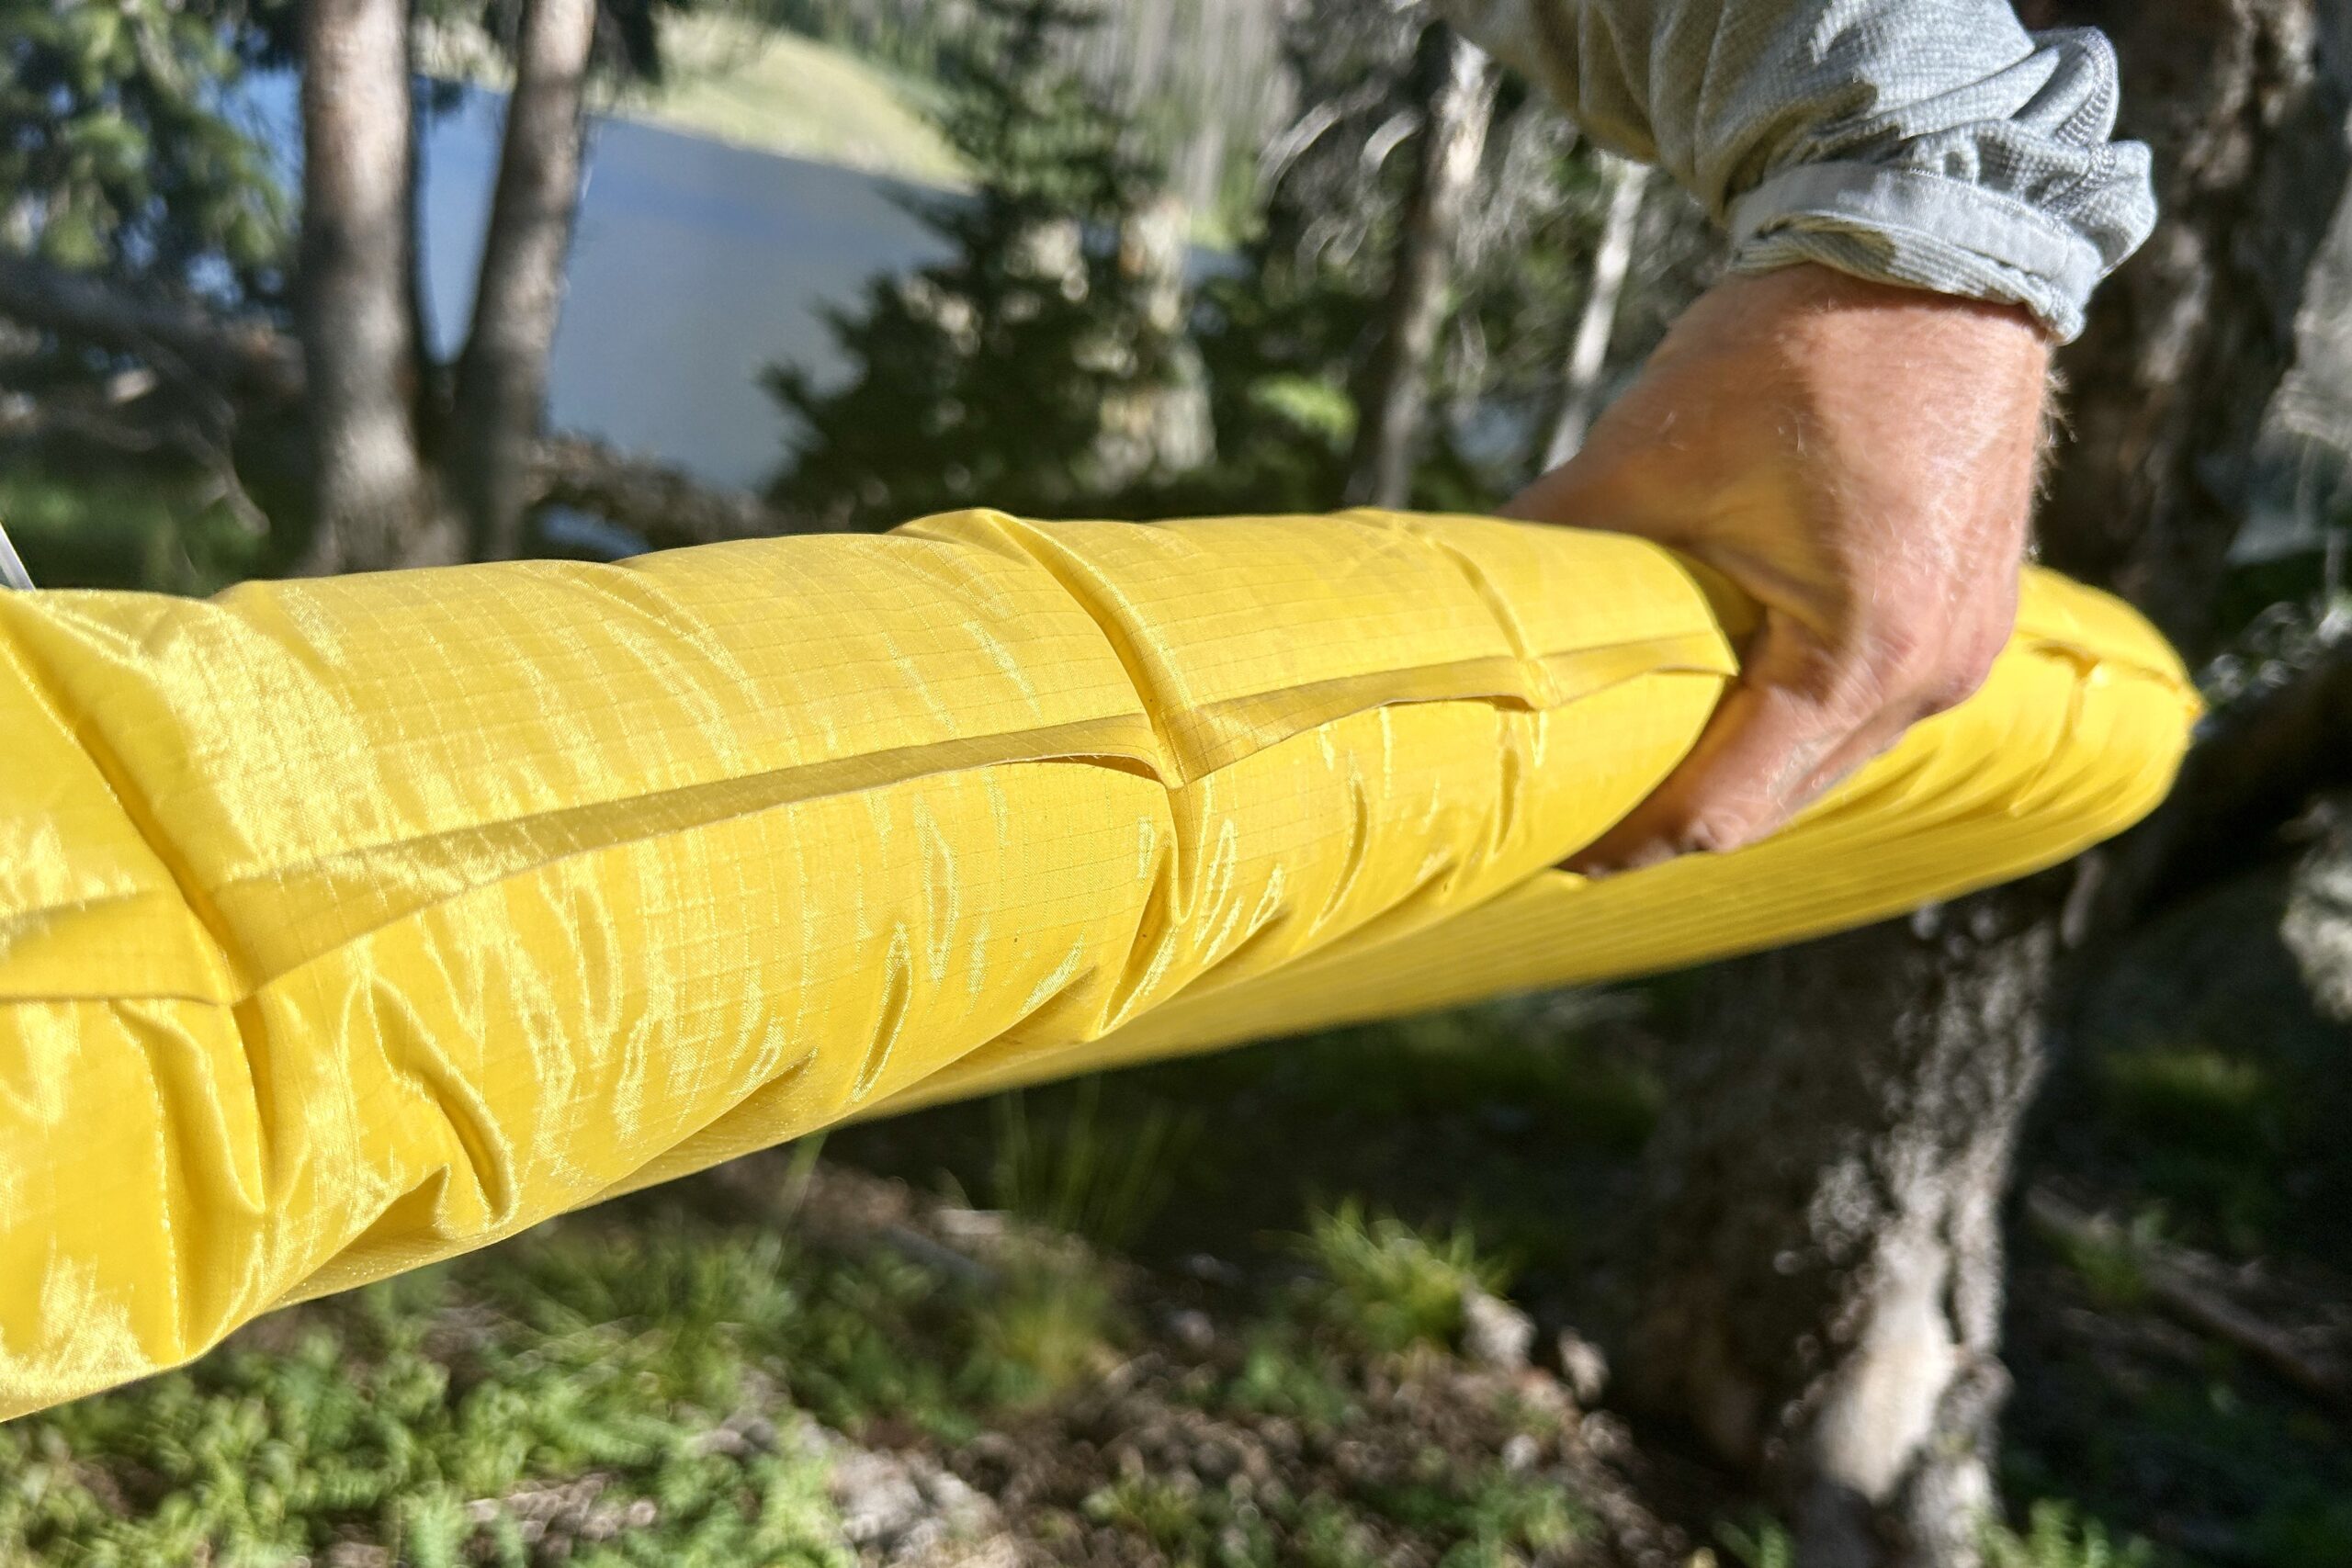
column 1495, row 1333
column 1520, row 1453
column 1191, row 1328
column 876, row 1494
column 1582, row 1367
column 1210, row 1269
column 1606, row 1436
column 909, row 1511
column 975, row 1229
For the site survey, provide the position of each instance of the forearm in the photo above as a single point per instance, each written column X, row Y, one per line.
column 1929, row 143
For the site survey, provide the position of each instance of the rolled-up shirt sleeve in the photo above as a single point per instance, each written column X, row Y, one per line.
column 1935, row 143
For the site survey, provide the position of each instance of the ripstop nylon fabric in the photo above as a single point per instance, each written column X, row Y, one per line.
column 346, row 924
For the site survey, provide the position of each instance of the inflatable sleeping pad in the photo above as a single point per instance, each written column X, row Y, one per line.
column 347, row 924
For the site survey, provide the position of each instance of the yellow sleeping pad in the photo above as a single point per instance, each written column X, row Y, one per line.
column 351, row 923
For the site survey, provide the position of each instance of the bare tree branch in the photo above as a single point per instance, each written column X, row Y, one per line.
column 1611, row 256
column 662, row 502
column 2190, row 1288
column 2255, row 764
column 248, row 354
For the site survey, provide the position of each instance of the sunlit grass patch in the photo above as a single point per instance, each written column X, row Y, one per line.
column 2112, row 1262
column 1048, row 1327
column 1493, row 1514
column 2056, row 1537
column 732, row 78
column 1389, row 1289
column 728, row 76
column 2191, row 1095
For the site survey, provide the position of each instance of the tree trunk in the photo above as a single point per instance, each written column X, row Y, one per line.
column 501, row 399
column 431, row 401
column 1824, row 1297
column 2317, row 924
column 1612, row 254
column 2243, row 104
column 1396, row 383
column 368, row 484
column 1825, row 1188
column 1160, row 425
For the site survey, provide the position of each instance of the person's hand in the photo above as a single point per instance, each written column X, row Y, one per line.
column 1859, row 458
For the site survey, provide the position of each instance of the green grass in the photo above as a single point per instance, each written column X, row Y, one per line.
column 124, row 528
column 1388, row 1290
column 2112, row 1263
column 1076, row 1172
column 1496, row 1055
column 732, row 79
column 728, row 76
column 635, row 1387
column 2193, row 1097
column 1490, row 1517
column 1764, row 1545
column 1286, row 1374
column 436, row 1415
column 1053, row 1326
column 2055, row 1537
column 1511, row 1113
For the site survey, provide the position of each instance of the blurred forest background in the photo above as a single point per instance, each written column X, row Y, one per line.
column 2017, row 1234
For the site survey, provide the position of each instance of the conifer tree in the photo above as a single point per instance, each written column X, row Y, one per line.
column 985, row 378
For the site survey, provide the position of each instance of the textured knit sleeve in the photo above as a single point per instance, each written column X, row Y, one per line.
column 1935, row 143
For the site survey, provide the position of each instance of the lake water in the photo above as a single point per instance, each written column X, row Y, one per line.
column 696, row 266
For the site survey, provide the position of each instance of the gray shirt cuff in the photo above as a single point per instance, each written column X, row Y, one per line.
column 1933, row 143
column 1924, row 230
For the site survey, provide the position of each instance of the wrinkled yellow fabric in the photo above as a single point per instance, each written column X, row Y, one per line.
column 350, row 923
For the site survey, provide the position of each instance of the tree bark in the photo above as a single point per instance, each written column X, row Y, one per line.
column 2243, row 104
column 1396, row 382
column 368, row 484
column 1160, row 425
column 2317, row 924
column 1823, row 1297
column 430, row 375
column 1824, row 1294
column 501, row 397
column 1612, row 254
